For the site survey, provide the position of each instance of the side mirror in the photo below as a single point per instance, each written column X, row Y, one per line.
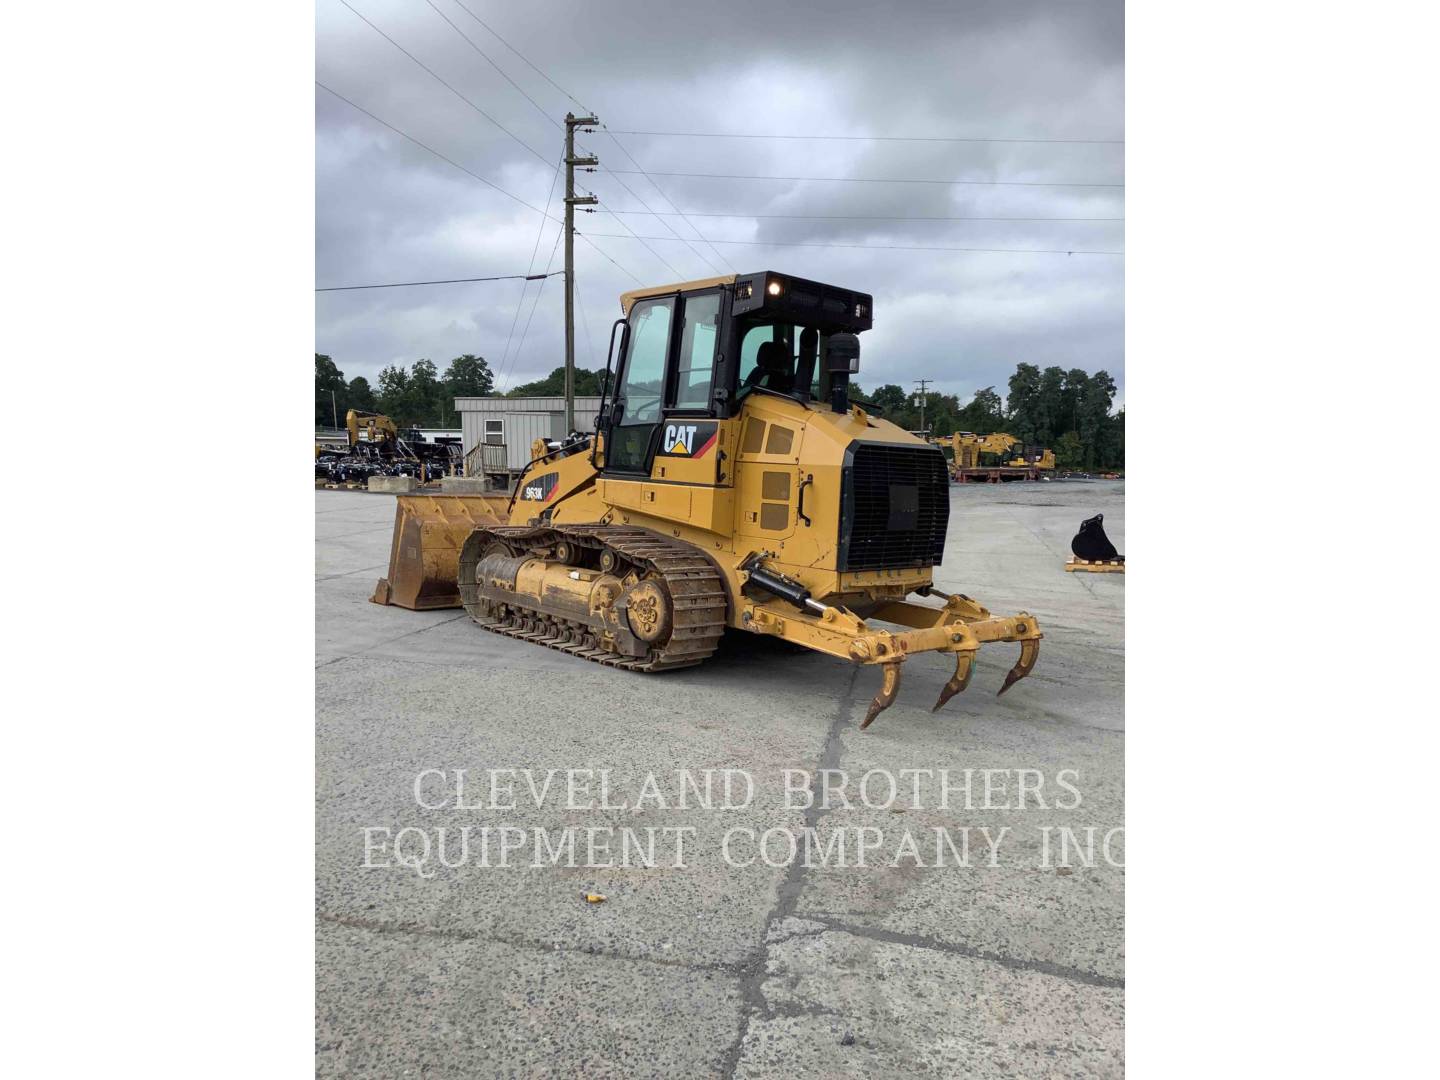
column 842, row 354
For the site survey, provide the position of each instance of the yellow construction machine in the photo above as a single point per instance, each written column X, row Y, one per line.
column 380, row 432
column 379, row 429
column 730, row 484
column 967, row 448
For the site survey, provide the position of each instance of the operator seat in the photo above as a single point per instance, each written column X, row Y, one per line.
column 772, row 368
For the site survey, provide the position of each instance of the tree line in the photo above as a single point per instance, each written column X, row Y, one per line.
column 418, row 397
column 423, row 396
column 1065, row 411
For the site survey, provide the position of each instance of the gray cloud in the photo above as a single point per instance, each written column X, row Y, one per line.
column 388, row 211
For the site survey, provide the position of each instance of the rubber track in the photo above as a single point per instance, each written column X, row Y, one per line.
column 692, row 580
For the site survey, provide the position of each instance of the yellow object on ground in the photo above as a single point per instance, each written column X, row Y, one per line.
column 1107, row 567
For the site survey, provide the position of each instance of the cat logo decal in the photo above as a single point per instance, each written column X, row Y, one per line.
column 689, row 440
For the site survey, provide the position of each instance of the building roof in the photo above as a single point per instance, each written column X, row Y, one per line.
column 497, row 403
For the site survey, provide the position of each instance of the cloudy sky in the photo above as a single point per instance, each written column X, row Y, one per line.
column 388, row 210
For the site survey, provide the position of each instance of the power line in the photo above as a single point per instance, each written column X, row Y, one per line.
column 585, row 109
column 489, row 61
column 865, row 217
column 520, row 302
column 590, row 343
column 431, row 149
column 890, row 247
column 657, row 217
column 664, row 261
column 419, row 63
column 872, row 138
column 445, row 281
column 607, row 258
column 474, row 175
column 667, row 198
column 589, row 112
column 875, row 180
column 541, row 110
column 530, row 318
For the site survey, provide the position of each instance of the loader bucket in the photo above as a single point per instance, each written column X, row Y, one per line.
column 425, row 552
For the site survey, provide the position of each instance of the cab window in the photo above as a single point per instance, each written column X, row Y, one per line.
column 645, row 366
column 767, row 357
column 696, row 364
column 642, row 382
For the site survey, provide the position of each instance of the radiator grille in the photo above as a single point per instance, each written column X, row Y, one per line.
column 894, row 507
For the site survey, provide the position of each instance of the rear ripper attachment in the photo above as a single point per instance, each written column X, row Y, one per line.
column 960, row 627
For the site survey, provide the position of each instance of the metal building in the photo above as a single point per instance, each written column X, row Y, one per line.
column 496, row 432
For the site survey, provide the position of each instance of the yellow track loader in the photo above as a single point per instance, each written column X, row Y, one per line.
column 730, row 484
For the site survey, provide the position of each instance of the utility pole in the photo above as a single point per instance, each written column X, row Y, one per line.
column 920, row 397
column 571, row 201
column 334, row 415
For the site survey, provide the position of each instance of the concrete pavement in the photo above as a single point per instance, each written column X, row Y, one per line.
column 714, row 969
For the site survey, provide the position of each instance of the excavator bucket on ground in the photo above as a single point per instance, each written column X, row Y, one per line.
column 1093, row 549
column 1091, row 543
column 425, row 552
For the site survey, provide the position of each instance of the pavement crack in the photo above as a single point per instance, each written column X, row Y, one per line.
column 787, row 898
column 921, row 941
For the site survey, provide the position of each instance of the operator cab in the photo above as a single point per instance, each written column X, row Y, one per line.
column 696, row 350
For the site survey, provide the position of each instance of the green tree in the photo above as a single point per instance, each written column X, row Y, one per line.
column 890, row 398
column 942, row 413
column 1077, row 382
column 1069, row 451
column 423, row 397
column 1095, row 416
column 1049, row 406
column 394, row 385
column 329, row 379
column 984, row 414
column 466, row 376
column 587, row 384
column 1024, row 402
column 1115, row 442
column 358, row 394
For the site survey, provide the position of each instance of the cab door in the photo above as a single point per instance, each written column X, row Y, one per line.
column 690, row 444
column 640, row 393
column 672, row 455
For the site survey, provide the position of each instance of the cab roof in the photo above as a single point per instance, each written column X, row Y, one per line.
column 627, row 299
